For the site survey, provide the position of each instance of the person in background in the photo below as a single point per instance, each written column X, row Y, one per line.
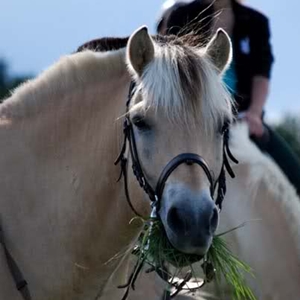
column 248, row 77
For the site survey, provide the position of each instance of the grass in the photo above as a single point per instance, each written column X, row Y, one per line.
column 231, row 268
column 155, row 249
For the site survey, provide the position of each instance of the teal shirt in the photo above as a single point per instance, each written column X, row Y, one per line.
column 230, row 78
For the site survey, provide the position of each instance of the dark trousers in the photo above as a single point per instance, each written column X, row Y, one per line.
column 279, row 150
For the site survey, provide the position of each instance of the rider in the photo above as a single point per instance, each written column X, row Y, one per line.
column 248, row 77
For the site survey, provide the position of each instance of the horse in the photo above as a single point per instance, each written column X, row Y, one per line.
column 63, row 215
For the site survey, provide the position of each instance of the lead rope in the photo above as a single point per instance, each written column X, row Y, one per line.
column 21, row 283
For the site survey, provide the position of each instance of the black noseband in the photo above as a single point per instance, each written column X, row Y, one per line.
column 187, row 158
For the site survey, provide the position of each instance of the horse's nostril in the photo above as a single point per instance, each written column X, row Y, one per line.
column 174, row 221
column 214, row 220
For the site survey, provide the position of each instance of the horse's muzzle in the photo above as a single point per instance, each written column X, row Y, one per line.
column 190, row 219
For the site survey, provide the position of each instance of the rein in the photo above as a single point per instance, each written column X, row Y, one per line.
column 155, row 194
column 15, row 271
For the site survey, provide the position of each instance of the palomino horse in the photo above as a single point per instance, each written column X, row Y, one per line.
column 62, row 213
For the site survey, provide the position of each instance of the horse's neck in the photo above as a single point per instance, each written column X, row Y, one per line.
column 59, row 140
column 67, row 83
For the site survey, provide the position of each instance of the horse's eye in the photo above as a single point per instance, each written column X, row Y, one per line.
column 140, row 123
column 225, row 127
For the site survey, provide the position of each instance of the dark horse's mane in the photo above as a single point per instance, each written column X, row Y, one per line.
column 112, row 43
column 104, row 44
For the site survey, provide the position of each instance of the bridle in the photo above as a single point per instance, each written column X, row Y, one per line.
column 155, row 194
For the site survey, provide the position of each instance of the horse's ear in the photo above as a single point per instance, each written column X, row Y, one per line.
column 219, row 50
column 140, row 50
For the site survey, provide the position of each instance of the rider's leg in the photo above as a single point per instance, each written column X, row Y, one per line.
column 279, row 150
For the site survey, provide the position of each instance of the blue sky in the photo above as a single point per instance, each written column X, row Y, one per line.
column 35, row 33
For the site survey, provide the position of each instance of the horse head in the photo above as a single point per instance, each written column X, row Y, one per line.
column 177, row 114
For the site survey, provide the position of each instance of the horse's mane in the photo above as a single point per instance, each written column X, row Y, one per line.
column 104, row 44
column 192, row 39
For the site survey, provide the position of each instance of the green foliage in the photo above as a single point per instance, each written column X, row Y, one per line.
column 231, row 268
column 155, row 249
column 159, row 249
column 289, row 130
column 8, row 83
